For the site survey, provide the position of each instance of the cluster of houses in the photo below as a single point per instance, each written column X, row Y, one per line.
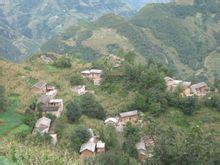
column 188, row 89
column 146, row 144
column 49, row 105
column 93, row 146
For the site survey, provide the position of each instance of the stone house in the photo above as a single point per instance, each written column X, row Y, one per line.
column 42, row 126
column 131, row 116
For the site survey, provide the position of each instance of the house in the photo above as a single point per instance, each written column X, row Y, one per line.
column 42, row 126
column 200, row 89
column 141, row 149
column 100, row 147
column 172, row 85
column 39, row 87
column 51, row 93
column 111, row 121
column 131, row 116
column 87, row 149
column 80, row 89
column 93, row 74
column 43, row 99
column 54, row 107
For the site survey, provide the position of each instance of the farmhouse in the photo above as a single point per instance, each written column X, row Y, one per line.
column 200, row 89
column 87, row 149
column 54, row 107
column 172, row 84
column 115, row 60
column 141, row 149
column 42, row 125
column 39, row 87
column 131, row 116
column 100, row 147
column 51, row 92
column 93, row 74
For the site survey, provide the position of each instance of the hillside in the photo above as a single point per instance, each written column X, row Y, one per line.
column 117, row 93
column 180, row 36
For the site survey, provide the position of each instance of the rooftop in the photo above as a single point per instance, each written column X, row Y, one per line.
column 43, row 122
column 100, row 144
column 87, row 146
column 39, row 85
column 56, row 101
column 98, row 71
column 43, row 99
column 127, row 114
column 140, row 146
column 111, row 119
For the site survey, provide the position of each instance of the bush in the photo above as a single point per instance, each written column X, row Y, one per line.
column 79, row 136
column 188, row 105
column 76, row 80
column 91, row 107
column 2, row 98
column 63, row 62
column 73, row 112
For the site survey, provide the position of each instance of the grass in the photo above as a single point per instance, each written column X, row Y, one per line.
column 10, row 118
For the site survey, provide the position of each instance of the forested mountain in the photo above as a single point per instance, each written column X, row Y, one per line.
column 184, row 37
column 29, row 23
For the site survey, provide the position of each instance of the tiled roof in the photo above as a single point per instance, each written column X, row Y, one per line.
column 88, row 146
column 127, row 114
column 40, row 85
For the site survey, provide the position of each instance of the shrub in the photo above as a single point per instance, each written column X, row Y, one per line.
column 63, row 62
column 91, row 107
column 2, row 98
column 73, row 112
column 76, row 80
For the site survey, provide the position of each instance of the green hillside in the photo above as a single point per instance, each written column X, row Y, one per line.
column 180, row 36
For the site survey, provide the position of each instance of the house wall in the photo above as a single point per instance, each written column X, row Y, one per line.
column 132, row 119
column 87, row 153
column 141, row 157
column 100, row 150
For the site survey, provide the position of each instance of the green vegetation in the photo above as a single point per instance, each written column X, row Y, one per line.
column 79, row 136
column 76, row 80
column 63, row 63
column 10, row 119
column 2, row 98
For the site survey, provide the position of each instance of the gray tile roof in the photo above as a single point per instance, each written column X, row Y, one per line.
column 128, row 114
column 40, row 85
column 87, row 146
column 43, row 99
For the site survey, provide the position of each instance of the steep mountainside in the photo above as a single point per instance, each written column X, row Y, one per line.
column 181, row 36
column 32, row 22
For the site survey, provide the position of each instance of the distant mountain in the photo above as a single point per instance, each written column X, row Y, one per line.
column 32, row 22
column 183, row 37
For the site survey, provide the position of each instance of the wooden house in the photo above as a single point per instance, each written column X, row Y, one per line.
column 131, row 116
column 80, row 89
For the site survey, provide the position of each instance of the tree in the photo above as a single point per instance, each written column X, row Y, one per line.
column 132, row 135
column 109, row 136
column 73, row 112
column 76, row 80
column 188, row 105
column 2, row 98
column 79, row 136
column 63, row 62
column 91, row 107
